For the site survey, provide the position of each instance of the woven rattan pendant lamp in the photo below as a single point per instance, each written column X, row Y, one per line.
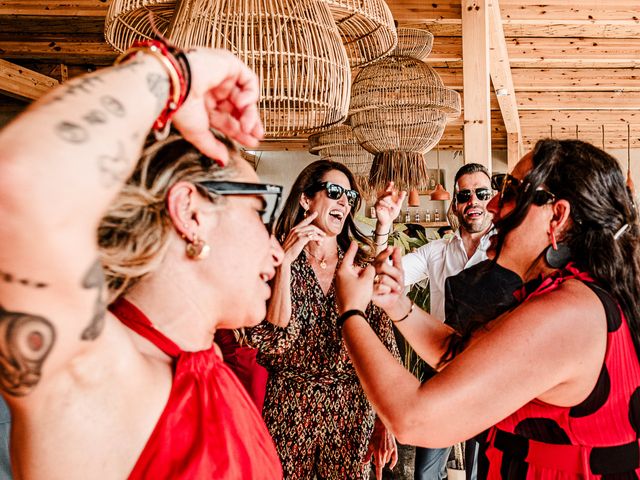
column 293, row 45
column 340, row 145
column 399, row 109
column 128, row 20
column 366, row 27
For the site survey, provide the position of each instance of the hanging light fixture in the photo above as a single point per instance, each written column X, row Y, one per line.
column 399, row 109
column 439, row 193
column 294, row 47
column 339, row 145
column 128, row 21
column 367, row 29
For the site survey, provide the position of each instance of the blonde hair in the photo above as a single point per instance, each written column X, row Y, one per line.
column 133, row 235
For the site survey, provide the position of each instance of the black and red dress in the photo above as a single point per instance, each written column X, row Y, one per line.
column 597, row 439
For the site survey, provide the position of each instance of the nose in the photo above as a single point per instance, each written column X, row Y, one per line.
column 494, row 205
column 277, row 253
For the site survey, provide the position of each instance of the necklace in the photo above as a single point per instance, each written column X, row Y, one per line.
column 321, row 261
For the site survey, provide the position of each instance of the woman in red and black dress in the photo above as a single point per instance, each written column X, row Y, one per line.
column 557, row 378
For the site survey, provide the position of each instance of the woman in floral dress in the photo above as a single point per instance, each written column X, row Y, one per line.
column 315, row 408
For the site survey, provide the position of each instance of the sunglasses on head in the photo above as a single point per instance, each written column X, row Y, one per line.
column 270, row 194
column 335, row 192
column 483, row 194
column 510, row 187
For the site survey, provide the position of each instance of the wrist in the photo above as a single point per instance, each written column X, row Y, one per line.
column 346, row 315
column 382, row 229
column 399, row 309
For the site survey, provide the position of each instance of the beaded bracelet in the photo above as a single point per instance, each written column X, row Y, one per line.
column 406, row 316
column 177, row 67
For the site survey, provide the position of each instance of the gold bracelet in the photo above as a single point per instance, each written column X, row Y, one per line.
column 174, row 77
column 407, row 315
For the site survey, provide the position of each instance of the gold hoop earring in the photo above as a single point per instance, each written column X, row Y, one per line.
column 197, row 249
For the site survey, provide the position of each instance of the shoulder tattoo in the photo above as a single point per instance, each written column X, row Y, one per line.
column 25, row 343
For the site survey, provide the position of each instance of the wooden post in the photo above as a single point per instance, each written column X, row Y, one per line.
column 475, row 54
column 514, row 152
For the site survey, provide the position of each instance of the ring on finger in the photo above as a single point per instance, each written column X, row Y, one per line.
column 376, row 279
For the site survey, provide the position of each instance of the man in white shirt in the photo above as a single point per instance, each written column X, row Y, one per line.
column 443, row 258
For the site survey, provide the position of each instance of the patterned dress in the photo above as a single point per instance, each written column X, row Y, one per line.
column 315, row 408
column 597, row 439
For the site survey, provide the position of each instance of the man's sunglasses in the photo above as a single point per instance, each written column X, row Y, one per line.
column 483, row 194
column 335, row 192
column 510, row 188
column 271, row 195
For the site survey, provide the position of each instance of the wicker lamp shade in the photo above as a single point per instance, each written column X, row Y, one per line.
column 294, row 47
column 128, row 21
column 399, row 109
column 340, row 145
column 414, row 43
column 367, row 29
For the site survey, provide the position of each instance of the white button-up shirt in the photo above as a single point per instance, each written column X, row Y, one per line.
column 438, row 260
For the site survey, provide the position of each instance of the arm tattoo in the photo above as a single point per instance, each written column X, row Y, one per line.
column 25, row 282
column 112, row 105
column 159, row 87
column 71, row 132
column 114, row 168
column 25, row 342
column 94, row 279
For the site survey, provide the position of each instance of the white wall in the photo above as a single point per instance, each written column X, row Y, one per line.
column 283, row 167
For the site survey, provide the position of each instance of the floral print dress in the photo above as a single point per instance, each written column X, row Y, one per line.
column 315, row 408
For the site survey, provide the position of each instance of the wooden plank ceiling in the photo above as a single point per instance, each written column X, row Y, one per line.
column 574, row 63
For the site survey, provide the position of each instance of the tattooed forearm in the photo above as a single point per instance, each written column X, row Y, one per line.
column 82, row 85
column 94, row 279
column 25, row 342
column 11, row 278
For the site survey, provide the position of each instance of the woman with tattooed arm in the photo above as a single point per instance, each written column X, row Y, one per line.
column 136, row 390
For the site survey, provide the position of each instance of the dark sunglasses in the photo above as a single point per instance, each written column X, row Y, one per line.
column 510, row 187
column 335, row 192
column 270, row 194
column 483, row 194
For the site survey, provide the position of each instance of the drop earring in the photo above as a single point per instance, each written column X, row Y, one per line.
column 558, row 254
column 197, row 249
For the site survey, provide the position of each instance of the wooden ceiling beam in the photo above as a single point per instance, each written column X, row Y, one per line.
column 584, row 10
column 500, row 69
column 555, row 101
column 57, row 51
column 74, row 8
column 477, row 98
column 22, row 83
column 579, row 117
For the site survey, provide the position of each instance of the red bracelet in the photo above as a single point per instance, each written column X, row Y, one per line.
column 179, row 78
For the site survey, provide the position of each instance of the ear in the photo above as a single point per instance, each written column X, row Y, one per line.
column 304, row 201
column 561, row 219
column 185, row 206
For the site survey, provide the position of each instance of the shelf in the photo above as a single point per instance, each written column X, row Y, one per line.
column 427, row 224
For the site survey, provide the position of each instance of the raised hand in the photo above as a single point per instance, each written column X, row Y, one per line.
column 224, row 95
column 354, row 284
column 300, row 235
column 389, row 280
column 388, row 206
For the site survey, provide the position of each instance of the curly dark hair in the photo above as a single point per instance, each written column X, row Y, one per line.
column 601, row 205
